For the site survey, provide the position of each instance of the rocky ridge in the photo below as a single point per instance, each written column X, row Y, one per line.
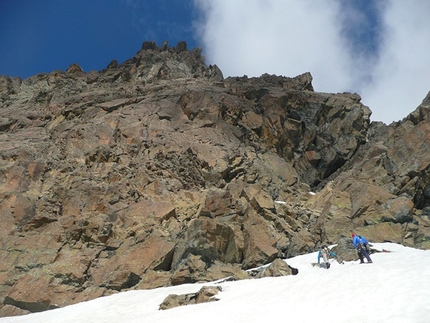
column 158, row 171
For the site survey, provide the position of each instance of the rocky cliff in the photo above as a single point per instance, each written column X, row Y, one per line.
column 158, row 171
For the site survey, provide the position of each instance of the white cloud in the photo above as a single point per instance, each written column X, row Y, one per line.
column 290, row 37
column 276, row 37
column 401, row 78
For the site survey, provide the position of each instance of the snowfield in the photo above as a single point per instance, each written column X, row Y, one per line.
column 395, row 289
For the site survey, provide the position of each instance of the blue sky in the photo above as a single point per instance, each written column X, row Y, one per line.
column 44, row 35
column 376, row 48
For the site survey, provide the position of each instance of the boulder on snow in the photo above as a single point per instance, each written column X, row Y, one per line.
column 204, row 295
column 345, row 249
column 276, row 269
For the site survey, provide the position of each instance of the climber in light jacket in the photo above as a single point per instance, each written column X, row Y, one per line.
column 325, row 252
column 362, row 245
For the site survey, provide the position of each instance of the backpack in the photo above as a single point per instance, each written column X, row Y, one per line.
column 325, row 251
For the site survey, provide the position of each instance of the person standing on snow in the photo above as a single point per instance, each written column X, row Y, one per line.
column 325, row 252
column 361, row 244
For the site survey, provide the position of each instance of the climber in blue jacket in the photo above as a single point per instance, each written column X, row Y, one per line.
column 325, row 252
column 361, row 244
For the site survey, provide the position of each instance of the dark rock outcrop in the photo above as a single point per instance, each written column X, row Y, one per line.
column 277, row 268
column 158, row 171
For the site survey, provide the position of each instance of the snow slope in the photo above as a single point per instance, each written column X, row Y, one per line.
column 395, row 289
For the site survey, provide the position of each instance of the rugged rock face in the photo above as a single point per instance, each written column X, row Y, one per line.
column 158, row 171
column 384, row 189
